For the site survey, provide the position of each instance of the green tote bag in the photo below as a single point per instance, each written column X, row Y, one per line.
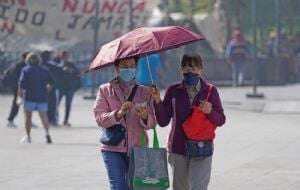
column 148, row 167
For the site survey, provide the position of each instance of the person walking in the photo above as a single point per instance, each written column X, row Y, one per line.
column 189, row 173
column 34, row 82
column 70, row 84
column 237, row 53
column 53, row 95
column 11, row 80
column 113, row 106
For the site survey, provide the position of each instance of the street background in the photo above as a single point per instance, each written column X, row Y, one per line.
column 253, row 150
column 257, row 148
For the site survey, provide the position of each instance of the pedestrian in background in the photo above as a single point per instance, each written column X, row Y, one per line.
column 272, row 45
column 34, row 83
column 11, row 79
column 70, row 84
column 237, row 53
column 53, row 95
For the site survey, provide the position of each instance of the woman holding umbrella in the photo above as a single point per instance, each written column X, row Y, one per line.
column 113, row 106
column 189, row 173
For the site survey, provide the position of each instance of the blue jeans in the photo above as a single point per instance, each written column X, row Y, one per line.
column 116, row 164
column 238, row 73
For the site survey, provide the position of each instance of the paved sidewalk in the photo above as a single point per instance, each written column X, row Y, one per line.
column 252, row 151
column 278, row 99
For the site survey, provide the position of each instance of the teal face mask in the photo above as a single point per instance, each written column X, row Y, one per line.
column 127, row 74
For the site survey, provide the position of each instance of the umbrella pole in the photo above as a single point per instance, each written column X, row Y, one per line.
column 149, row 69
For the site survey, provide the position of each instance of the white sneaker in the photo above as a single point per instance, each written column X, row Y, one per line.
column 11, row 124
column 25, row 140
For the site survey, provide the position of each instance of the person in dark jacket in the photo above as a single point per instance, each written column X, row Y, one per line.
column 189, row 173
column 53, row 95
column 34, row 83
column 71, row 83
column 14, row 75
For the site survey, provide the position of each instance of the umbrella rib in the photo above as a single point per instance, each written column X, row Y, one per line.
column 119, row 46
column 163, row 42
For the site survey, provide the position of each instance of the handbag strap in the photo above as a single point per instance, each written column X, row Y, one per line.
column 155, row 139
column 210, row 87
column 209, row 92
column 132, row 93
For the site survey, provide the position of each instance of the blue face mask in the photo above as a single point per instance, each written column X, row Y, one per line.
column 191, row 79
column 127, row 74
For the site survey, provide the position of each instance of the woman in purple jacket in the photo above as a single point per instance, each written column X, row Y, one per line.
column 189, row 173
column 111, row 108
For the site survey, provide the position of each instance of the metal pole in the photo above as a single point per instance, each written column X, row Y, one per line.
column 131, row 24
column 193, row 7
column 95, row 48
column 96, row 30
column 254, row 46
column 254, row 54
column 278, row 27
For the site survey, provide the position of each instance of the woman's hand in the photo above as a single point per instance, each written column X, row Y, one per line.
column 206, row 107
column 142, row 112
column 125, row 108
column 155, row 93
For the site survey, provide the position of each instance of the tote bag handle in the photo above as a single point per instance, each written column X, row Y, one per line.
column 155, row 139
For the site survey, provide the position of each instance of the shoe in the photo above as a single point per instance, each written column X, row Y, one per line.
column 48, row 139
column 11, row 124
column 25, row 140
column 67, row 124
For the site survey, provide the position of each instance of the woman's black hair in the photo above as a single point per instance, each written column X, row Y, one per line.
column 136, row 58
column 24, row 55
column 45, row 56
column 192, row 60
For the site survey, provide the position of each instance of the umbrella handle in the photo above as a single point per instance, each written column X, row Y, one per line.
column 149, row 69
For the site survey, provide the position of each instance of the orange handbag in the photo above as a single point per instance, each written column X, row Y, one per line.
column 197, row 127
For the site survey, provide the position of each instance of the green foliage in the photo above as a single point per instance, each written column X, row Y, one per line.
column 240, row 12
column 188, row 6
column 265, row 13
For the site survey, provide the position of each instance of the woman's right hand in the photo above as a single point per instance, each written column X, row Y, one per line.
column 125, row 108
column 155, row 93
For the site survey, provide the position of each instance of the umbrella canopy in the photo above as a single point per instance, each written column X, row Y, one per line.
column 141, row 41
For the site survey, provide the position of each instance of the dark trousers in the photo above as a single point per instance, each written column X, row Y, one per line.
column 116, row 164
column 52, row 106
column 69, row 94
column 14, row 107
